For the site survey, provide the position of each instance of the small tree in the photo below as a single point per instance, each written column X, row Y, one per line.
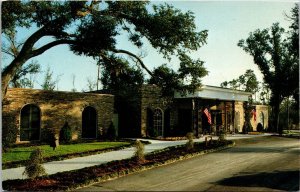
column 65, row 134
column 259, row 127
column 53, row 141
column 49, row 83
column 190, row 143
column 111, row 132
column 139, row 151
column 9, row 135
column 222, row 136
column 34, row 167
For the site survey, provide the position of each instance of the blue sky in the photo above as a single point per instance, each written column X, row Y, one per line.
column 226, row 21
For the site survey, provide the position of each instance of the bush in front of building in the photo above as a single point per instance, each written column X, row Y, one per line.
column 139, row 154
column 111, row 132
column 78, row 178
column 190, row 143
column 222, row 135
column 152, row 132
column 34, row 167
column 65, row 134
column 9, row 137
column 259, row 127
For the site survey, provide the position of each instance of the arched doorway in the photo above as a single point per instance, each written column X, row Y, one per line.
column 89, row 123
column 30, row 123
column 262, row 119
column 158, row 121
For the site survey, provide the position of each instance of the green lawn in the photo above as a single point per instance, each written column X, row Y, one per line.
column 291, row 132
column 22, row 153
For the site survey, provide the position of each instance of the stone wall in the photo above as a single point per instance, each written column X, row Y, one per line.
column 56, row 108
column 239, row 116
column 150, row 98
column 262, row 116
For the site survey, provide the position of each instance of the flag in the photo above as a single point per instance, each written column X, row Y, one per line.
column 253, row 113
column 207, row 115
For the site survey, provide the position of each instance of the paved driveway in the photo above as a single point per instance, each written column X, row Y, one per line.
column 258, row 164
column 92, row 160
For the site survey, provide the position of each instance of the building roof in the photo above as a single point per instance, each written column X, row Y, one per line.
column 213, row 92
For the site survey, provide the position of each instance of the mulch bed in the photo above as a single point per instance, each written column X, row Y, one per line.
column 69, row 156
column 79, row 178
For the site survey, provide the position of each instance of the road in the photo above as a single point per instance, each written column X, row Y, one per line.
column 258, row 164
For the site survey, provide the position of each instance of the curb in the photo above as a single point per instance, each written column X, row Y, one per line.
column 148, row 167
column 77, row 179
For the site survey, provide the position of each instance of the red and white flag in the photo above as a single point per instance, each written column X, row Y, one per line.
column 207, row 115
column 253, row 112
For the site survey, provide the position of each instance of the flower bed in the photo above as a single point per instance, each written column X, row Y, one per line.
column 255, row 133
column 78, row 178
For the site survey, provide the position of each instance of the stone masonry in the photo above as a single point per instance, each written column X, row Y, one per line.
column 150, row 98
column 57, row 108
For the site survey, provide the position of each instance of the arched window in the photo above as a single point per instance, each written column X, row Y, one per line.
column 89, row 123
column 158, row 121
column 262, row 118
column 30, row 123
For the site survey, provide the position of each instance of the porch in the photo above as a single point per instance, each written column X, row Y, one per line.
column 210, row 110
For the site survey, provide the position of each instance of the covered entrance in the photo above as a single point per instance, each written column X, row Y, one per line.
column 211, row 110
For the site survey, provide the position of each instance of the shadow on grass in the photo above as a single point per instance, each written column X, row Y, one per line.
column 280, row 180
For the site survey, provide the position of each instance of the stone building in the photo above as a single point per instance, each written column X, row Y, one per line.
column 33, row 113
column 260, row 115
column 163, row 117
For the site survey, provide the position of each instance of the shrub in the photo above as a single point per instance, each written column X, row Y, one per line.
column 34, row 168
column 65, row 134
column 236, row 130
column 111, row 132
column 190, row 143
column 9, row 137
column 152, row 132
column 259, row 127
column 139, row 151
column 222, row 136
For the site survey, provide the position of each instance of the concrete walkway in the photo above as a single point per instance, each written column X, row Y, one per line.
column 92, row 160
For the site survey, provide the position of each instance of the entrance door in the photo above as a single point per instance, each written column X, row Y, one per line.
column 89, row 123
column 158, row 121
column 185, row 121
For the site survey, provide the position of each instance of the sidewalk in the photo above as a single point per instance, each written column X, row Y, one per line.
column 92, row 160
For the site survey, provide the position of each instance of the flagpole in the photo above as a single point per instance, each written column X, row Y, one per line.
column 288, row 113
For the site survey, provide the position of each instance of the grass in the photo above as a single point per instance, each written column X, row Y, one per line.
column 23, row 153
column 290, row 132
column 70, row 180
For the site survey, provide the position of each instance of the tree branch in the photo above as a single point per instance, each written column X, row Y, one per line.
column 50, row 45
column 7, row 52
column 134, row 56
column 89, row 9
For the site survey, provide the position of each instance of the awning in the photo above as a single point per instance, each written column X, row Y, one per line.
column 219, row 93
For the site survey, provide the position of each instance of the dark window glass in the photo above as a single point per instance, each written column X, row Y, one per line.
column 158, row 122
column 89, row 123
column 30, row 123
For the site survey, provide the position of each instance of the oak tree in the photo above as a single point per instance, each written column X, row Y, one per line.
column 276, row 53
column 90, row 28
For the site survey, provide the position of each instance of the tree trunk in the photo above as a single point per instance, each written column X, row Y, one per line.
column 8, row 73
column 276, row 109
column 276, row 118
